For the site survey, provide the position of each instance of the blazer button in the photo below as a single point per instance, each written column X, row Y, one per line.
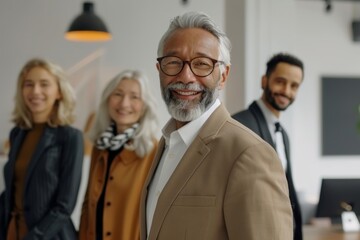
column 108, row 234
column 108, row 204
column 111, row 178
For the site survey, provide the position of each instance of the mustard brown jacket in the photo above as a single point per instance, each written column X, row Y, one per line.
column 122, row 197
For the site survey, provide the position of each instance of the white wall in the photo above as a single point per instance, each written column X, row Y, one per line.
column 324, row 42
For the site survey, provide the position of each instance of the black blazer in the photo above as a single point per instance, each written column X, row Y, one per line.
column 254, row 119
column 52, row 183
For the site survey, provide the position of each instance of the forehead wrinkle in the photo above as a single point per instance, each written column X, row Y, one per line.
column 196, row 42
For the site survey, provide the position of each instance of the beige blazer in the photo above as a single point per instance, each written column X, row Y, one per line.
column 228, row 185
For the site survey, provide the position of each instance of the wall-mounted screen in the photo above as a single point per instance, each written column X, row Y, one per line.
column 340, row 116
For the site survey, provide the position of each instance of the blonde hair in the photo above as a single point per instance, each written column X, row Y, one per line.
column 143, row 140
column 63, row 109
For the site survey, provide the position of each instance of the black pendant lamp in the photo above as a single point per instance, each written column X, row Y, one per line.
column 88, row 27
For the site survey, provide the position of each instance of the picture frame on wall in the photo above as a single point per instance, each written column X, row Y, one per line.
column 340, row 115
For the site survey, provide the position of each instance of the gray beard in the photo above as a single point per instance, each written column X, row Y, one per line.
column 188, row 110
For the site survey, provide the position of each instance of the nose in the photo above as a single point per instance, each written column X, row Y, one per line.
column 186, row 75
column 286, row 90
column 36, row 88
column 125, row 101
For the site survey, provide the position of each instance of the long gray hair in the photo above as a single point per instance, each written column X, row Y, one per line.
column 143, row 140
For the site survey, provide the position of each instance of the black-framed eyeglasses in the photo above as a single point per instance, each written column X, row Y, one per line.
column 200, row 66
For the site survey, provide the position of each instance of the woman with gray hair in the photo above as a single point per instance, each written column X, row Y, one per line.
column 124, row 147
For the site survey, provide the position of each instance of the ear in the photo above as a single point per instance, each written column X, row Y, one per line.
column 264, row 81
column 59, row 95
column 158, row 66
column 224, row 76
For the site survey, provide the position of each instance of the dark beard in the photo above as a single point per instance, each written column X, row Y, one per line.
column 271, row 100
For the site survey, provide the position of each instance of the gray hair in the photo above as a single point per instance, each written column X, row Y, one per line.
column 198, row 20
column 143, row 140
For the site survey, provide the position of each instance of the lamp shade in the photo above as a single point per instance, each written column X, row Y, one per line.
column 88, row 27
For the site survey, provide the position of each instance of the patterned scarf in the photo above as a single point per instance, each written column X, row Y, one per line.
column 108, row 140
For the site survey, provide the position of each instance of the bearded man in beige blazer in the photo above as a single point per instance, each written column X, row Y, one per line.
column 212, row 178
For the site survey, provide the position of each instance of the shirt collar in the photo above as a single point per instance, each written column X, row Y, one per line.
column 269, row 116
column 189, row 131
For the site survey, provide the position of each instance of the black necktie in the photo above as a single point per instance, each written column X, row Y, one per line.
column 278, row 127
column 279, row 143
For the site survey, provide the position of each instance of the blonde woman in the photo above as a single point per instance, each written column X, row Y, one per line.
column 42, row 175
column 124, row 147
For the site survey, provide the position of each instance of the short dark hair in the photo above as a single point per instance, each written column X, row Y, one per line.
column 285, row 58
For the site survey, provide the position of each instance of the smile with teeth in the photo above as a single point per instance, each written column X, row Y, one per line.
column 122, row 112
column 283, row 98
column 186, row 93
column 35, row 100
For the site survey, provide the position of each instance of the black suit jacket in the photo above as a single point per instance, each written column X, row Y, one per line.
column 52, row 182
column 254, row 119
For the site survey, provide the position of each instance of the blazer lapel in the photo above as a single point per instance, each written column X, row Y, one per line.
column 287, row 152
column 14, row 150
column 286, row 144
column 47, row 138
column 186, row 168
column 261, row 121
column 16, row 144
column 188, row 165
